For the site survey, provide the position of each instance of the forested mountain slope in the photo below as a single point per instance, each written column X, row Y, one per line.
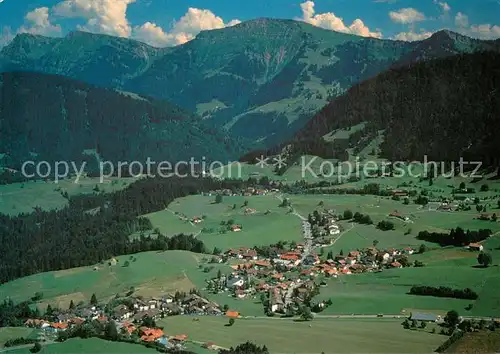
column 445, row 109
column 52, row 118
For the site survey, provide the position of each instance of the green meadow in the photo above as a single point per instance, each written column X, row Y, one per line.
column 320, row 335
column 151, row 274
column 386, row 292
column 20, row 198
column 84, row 346
column 7, row 333
column 268, row 223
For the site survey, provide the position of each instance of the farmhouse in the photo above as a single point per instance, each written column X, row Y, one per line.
column 276, row 301
column 153, row 313
column 197, row 220
column 150, row 334
column 278, row 276
column 290, row 256
column 396, row 214
column 334, row 229
column 232, row 314
column 475, row 247
column 396, row 265
column 425, row 317
column 262, row 264
column 122, row 312
column 235, row 282
column 34, row 323
column 399, row 193
column 409, row 250
column 210, row 346
column 250, row 254
column 355, row 254
column 235, row 228
column 179, row 338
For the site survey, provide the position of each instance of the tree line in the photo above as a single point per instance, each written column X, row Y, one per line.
column 456, row 237
column 443, row 291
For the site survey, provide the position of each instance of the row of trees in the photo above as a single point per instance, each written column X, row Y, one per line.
column 456, row 237
column 444, row 291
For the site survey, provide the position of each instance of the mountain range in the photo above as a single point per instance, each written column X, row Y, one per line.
column 261, row 80
column 445, row 109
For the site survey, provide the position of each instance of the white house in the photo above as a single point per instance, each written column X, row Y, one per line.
column 475, row 247
column 235, row 282
column 334, row 229
column 236, row 228
column 385, row 257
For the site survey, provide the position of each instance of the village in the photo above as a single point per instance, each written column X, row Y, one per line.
column 286, row 278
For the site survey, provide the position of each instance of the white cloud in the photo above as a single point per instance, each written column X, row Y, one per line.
column 38, row 22
column 444, row 6
column 153, row 34
column 412, row 36
column 407, row 16
column 461, row 20
column 485, row 31
column 482, row 31
column 183, row 30
column 103, row 16
column 329, row 20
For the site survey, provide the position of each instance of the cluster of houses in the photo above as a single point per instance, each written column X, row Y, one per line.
column 285, row 274
column 129, row 316
column 167, row 305
column 323, row 224
column 247, row 192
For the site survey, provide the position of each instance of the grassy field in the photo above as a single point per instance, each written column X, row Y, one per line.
column 85, row 346
column 477, row 342
column 7, row 333
column 170, row 224
column 321, row 335
column 153, row 273
column 421, row 218
column 386, row 292
column 258, row 228
column 23, row 197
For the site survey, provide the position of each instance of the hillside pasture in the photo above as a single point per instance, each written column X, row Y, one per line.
column 20, row 198
column 257, row 227
column 152, row 273
column 8, row 333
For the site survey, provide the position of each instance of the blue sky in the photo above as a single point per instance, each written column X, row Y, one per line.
column 172, row 22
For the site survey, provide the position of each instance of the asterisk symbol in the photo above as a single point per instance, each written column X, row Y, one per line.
column 262, row 161
column 279, row 161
